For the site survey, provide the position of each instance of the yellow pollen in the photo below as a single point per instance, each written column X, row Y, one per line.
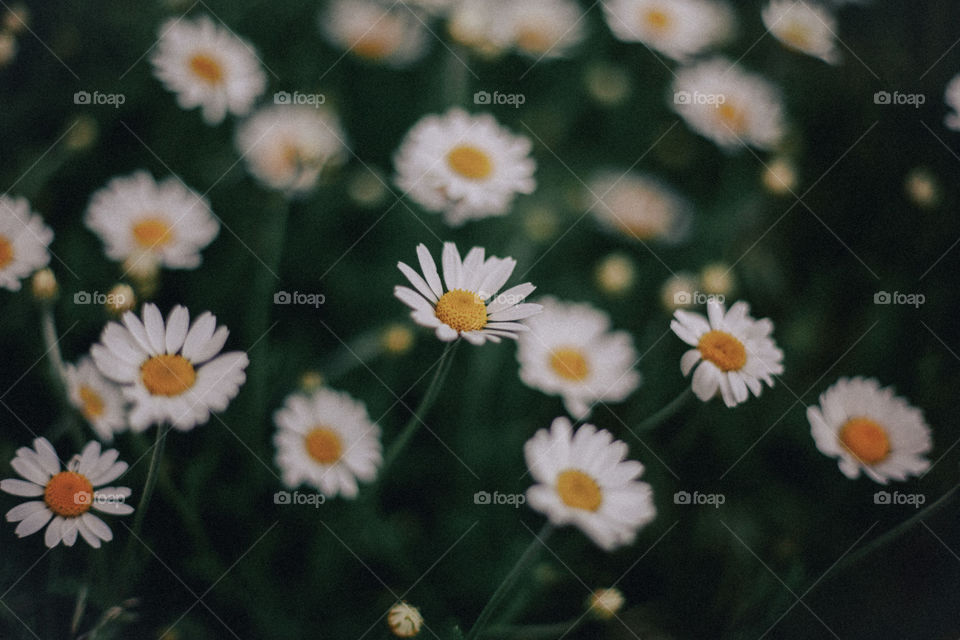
column 732, row 117
column 656, row 19
column 6, row 251
column 462, row 310
column 372, row 47
column 92, row 403
column 797, row 36
column 723, row 350
column 152, row 233
column 323, row 445
column 569, row 363
column 470, row 162
column 865, row 439
column 578, row 490
column 534, row 40
column 207, row 69
column 167, row 375
column 68, row 494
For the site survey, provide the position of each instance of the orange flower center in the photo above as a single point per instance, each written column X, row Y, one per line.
column 323, row 445
column 470, row 162
column 732, row 117
column 578, row 490
column 207, row 68
column 68, row 494
column 866, row 440
column 152, row 233
column 6, row 251
column 657, row 20
column 534, row 40
column 462, row 310
column 569, row 363
column 723, row 350
column 92, row 405
column 373, row 47
column 167, row 375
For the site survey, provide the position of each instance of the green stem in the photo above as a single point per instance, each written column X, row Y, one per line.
column 666, row 412
column 534, row 631
column 52, row 344
column 148, row 486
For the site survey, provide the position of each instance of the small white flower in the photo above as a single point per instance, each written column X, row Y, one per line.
column 604, row 604
column 328, row 441
column 584, row 479
column 170, row 372
column 99, row 400
column 467, row 167
column 735, row 352
column 66, row 497
column 163, row 224
column 806, row 28
column 679, row 29
column 570, row 351
column 24, row 239
column 870, row 429
column 639, row 206
column 541, row 29
column 470, row 307
column 376, row 31
column 404, row 620
column 208, row 66
column 952, row 98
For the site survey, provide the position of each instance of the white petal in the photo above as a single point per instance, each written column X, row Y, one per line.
column 34, row 523
column 21, row 488
column 177, row 323
column 429, row 268
column 452, row 267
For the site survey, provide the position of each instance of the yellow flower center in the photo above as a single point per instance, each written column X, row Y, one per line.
column 323, row 445
column 534, row 40
column 207, row 68
column 462, row 310
column 578, row 490
column 470, row 162
column 6, row 251
column 569, row 363
column 373, row 46
column 656, row 19
column 68, row 494
column 796, row 35
column 723, row 350
column 167, row 375
column 152, row 233
column 92, row 405
column 732, row 117
column 866, row 440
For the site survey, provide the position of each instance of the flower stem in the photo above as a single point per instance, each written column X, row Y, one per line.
column 52, row 344
column 534, row 631
column 666, row 412
column 152, row 472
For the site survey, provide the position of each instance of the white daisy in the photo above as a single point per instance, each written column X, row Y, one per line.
column 809, row 29
column 404, row 620
column 730, row 106
column 679, row 29
column 639, row 206
column 286, row 146
column 571, row 351
column 584, row 479
column 468, row 167
column 170, row 372
column 67, row 496
column 208, row 66
column 159, row 224
column 99, row 400
column 541, row 29
column 375, row 31
column 735, row 352
column 470, row 307
column 870, row 429
column 952, row 98
column 24, row 239
column 326, row 440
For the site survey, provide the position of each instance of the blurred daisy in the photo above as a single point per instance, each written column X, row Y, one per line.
column 157, row 224
column 208, row 66
column 583, row 479
column 376, row 31
column 639, row 206
column 539, row 28
column 952, row 98
column 99, row 400
column 67, row 496
column 870, row 429
column 326, row 440
column 470, row 307
column 809, row 29
column 404, row 620
column 735, row 352
column 730, row 106
column 24, row 239
column 170, row 372
column 679, row 29
column 570, row 351
column 468, row 167
column 286, row 146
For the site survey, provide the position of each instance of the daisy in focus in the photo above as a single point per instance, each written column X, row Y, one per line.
column 328, row 441
column 584, row 479
column 571, row 351
column 679, row 29
column 952, row 98
column 730, row 106
column 809, row 29
column 208, row 66
column 150, row 223
column 467, row 167
column 99, row 401
column 870, row 429
column 66, row 496
column 469, row 307
column 639, row 206
column 376, row 31
column 171, row 372
column 24, row 239
column 540, row 29
column 287, row 146
column 733, row 353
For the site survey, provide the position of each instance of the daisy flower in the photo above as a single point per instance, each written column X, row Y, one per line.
column 679, row 29
column 539, row 28
column 170, row 372
column 571, row 351
column 470, row 307
column 730, row 106
column 286, row 146
column 99, row 400
column 870, row 429
column 583, row 479
column 639, row 206
column 24, row 239
column 467, row 167
column 157, row 223
column 809, row 29
column 208, row 66
column 735, row 352
column 404, row 620
column 66, row 496
column 952, row 98
column 376, row 31
column 326, row 440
